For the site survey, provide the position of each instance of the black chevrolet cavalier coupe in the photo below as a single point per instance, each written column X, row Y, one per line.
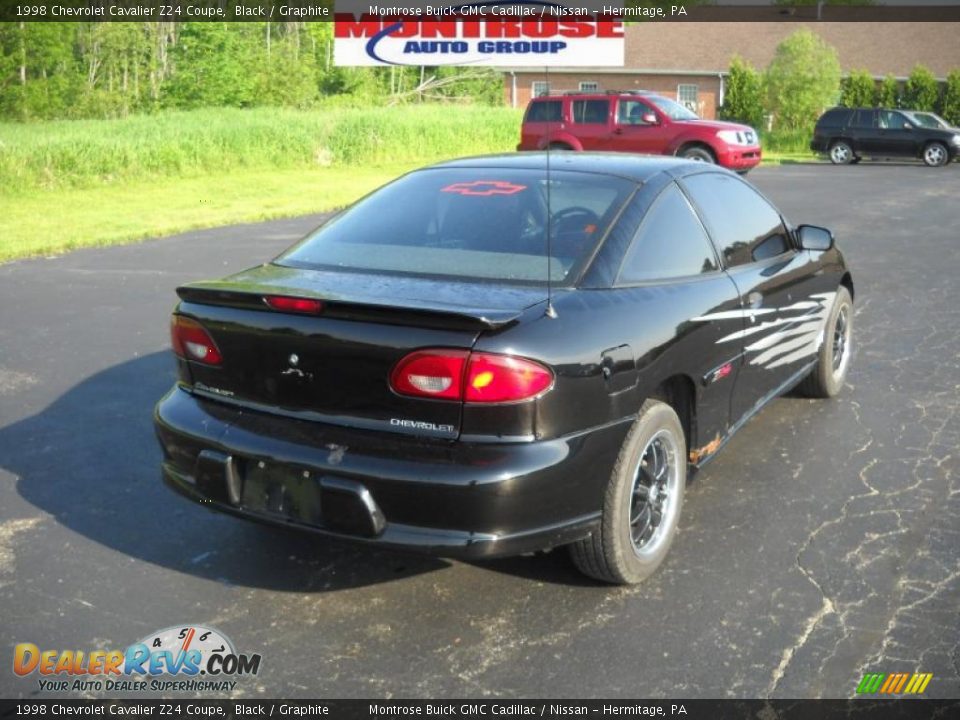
column 504, row 354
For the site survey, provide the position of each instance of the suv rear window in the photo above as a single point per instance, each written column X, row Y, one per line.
column 836, row 118
column 469, row 223
column 544, row 111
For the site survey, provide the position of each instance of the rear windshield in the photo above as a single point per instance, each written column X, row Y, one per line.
column 469, row 223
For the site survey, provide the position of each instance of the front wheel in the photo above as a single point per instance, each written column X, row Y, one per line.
column 833, row 360
column 698, row 154
column 936, row 154
column 642, row 501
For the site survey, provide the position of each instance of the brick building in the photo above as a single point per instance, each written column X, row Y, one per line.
column 688, row 61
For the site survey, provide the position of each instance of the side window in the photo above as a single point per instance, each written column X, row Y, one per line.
column 834, row 118
column 893, row 120
column 544, row 111
column 591, row 112
column 670, row 243
column 863, row 119
column 745, row 227
column 631, row 112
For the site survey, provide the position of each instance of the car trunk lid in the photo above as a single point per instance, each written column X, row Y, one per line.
column 335, row 366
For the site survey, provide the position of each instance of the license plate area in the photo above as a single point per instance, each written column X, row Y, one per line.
column 281, row 492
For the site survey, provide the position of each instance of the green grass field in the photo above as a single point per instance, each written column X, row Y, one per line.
column 72, row 184
column 66, row 185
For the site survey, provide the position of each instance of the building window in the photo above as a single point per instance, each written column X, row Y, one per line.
column 689, row 96
column 589, row 87
column 540, row 88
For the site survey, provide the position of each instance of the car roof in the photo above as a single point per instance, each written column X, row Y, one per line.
column 592, row 94
column 638, row 168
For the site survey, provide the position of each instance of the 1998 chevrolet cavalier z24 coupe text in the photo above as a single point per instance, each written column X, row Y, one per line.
column 400, row 376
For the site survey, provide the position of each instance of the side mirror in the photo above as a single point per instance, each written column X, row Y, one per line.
column 649, row 118
column 814, row 238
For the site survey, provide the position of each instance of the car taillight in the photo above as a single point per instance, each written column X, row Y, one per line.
column 503, row 378
column 430, row 373
column 473, row 377
column 294, row 304
column 192, row 342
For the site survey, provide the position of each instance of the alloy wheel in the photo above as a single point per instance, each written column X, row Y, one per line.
column 841, row 342
column 652, row 498
column 840, row 154
column 935, row 155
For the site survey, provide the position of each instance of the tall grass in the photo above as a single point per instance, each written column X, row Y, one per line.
column 216, row 141
column 791, row 142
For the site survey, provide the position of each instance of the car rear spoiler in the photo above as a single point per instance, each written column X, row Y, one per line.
column 401, row 311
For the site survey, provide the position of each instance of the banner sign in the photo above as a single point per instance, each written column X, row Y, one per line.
column 516, row 34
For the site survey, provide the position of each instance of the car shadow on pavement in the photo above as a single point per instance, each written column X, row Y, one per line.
column 90, row 460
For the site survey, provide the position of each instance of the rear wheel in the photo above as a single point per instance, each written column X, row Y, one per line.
column 936, row 154
column 642, row 502
column 559, row 146
column 698, row 154
column 828, row 375
column 841, row 153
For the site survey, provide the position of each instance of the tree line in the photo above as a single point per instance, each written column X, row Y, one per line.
column 55, row 70
column 804, row 78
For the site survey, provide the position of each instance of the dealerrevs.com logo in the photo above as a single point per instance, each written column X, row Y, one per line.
column 182, row 658
column 478, row 36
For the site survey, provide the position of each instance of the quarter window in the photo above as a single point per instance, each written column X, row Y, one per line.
column 591, row 112
column 544, row 111
column 745, row 227
column 670, row 243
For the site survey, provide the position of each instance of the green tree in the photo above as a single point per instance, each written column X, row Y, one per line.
column 215, row 64
column 888, row 93
column 858, row 89
column 802, row 79
column 921, row 91
column 951, row 99
column 743, row 95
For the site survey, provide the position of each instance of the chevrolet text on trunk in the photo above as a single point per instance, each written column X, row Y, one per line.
column 504, row 354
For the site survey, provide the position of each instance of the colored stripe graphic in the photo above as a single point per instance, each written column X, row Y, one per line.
column 894, row 683
column 870, row 683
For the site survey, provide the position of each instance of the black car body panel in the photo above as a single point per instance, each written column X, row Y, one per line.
column 878, row 132
column 355, row 458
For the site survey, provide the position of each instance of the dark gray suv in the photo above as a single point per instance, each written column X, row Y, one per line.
column 847, row 134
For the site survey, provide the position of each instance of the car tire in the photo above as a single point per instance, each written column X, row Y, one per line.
column 698, row 154
column 833, row 360
column 559, row 147
column 841, row 153
column 647, row 483
column 935, row 154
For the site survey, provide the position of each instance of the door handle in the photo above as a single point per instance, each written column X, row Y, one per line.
column 618, row 131
column 754, row 300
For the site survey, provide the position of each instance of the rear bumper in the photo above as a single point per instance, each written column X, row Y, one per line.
column 740, row 158
column 451, row 499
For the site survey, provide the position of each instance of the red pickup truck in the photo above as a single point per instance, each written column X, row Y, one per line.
column 635, row 122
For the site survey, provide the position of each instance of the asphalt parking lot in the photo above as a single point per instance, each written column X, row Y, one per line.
column 822, row 544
